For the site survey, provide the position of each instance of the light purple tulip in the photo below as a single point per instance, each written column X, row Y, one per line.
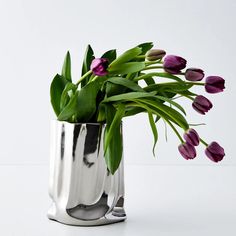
column 201, row 104
column 155, row 54
column 174, row 64
column 99, row 66
column 187, row 150
column 215, row 152
column 194, row 74
column 214, row 84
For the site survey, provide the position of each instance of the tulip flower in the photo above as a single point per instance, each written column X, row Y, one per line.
column 215, row 152
column 194, row 74
column 201, row 104
column 99, row 66
column 191, row 136
column 174, row 64
column 155, row 54
column 214, row 84
column 187, row 150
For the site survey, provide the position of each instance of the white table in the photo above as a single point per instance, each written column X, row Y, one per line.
column 160, row 200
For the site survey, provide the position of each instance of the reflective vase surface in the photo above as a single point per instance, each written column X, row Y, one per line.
column 82, row 190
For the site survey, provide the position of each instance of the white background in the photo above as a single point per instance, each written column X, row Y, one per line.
column 164, row 194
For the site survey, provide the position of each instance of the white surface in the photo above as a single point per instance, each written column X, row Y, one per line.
column 160, row 200
column 35, row 36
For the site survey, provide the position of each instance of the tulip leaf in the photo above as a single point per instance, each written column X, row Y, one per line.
column 172, row 114
column 149, row 81
column 166, row 99
column 126, row 83
column 57, row 86
column 127, row 56
column 145, row 46
column 110, row 55
column 128, row 96
column 88, row 57
column 70, row 109
column 154, row 130
column 133, row 111
column 126, row 68
column 113, row 147
column 66, row 94
column 66, row 69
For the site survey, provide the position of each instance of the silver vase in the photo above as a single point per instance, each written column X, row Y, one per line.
column 82, row 189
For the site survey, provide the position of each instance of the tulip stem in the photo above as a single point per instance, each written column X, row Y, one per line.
column 83, row 77
column 175, row 130
column 153, row 67
column 196, row 83
column 94, row 78
column 153, row 62
column 203, row 142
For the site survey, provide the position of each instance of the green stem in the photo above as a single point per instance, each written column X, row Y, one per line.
column 153, row 62
column 83, row 77
column 94, row 78
column 175, row 130
column 203, row 142
column 153, row 67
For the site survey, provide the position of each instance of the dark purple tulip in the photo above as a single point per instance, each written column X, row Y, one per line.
column 155, row 54
column 99, row 66
column 187, row 150
column 194, row 74
column 174, row 64
column 215, row 152
column 214, row 84
column 191, row 136
column 201, row 104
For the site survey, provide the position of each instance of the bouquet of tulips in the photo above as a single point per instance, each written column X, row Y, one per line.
column 109, row 89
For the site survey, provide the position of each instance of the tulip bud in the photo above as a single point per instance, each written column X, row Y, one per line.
column 99, row 66
column 215, row 152
column 194, row 74
column 201, row 104
column 187, row 150
column 192, row 137
column 214, row 84
column 174, row 64
column 155, row 54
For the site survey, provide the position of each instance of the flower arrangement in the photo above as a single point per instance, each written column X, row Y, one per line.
column 109, row 90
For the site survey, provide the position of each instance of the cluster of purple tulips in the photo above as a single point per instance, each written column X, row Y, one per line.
column 174, row 65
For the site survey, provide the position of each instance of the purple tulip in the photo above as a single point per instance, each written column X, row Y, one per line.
column 155, row 54
column 99, row 66
column 194, row 74
column 201, row 104
column 174, row 64
column 214, row 84
column 187, row 150
column 215, row 152
column 191, row 136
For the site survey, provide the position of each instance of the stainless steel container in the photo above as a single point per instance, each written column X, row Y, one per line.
column 82, row 189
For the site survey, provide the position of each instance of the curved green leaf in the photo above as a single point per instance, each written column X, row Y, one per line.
column 126, row 68
column 66, row 69
column 154, row 130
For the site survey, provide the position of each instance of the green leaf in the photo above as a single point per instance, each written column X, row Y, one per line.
column 110, row 55
column 154, row 130
column 126, row 83
column 127, row 56
column 128, row 96
column 66, row 69
column 70, row 109
column 113, row 147
column 57, row 86
column 149, row 81
column 86, row 104
column 166, row 99
column 133, row 111
column 172, row 114
column 88, row 57
column 145, row 46
column 66, row 94
column 126, row 68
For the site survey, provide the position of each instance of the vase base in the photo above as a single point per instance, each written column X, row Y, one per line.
column 117, row 215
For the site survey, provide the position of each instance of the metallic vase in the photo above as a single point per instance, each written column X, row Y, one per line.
column 82, row 189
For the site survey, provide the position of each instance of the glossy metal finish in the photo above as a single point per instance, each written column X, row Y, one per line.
column 82, row 189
